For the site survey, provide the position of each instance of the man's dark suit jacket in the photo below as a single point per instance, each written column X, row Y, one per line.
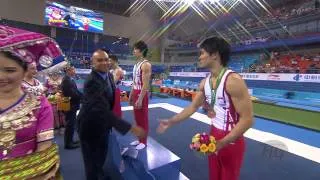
column 96, row 117
column 69, row 89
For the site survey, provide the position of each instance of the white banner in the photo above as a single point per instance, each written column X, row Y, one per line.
column 88, row 71
column 127, row 83
column 282, row 77
column 315, row 78
column 189, row 74
column 83, row 71
column 307, row 78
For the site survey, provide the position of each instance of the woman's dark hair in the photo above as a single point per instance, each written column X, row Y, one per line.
column 16, row 59
column 216, row 44
column 142, row 46
column 114, row 58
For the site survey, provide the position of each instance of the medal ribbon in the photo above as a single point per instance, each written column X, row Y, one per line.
column 213, row 89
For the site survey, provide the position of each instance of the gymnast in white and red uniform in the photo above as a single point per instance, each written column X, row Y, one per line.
column 230, row 110
column 139, row 93
column 117, row 73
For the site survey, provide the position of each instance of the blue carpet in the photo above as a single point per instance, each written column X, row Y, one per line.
column 177, row 140
column 262, row 162
column 292, row 132
column 305, row 136
column 257, row 164
column 71, row 161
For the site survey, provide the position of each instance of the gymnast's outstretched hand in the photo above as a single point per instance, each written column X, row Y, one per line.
column 163, row 125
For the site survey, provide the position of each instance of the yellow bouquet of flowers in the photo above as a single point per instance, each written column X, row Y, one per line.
column 203, row 143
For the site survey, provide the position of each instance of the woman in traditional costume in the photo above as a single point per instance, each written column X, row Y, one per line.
column 26, row 119
column 30, row 83
column 53, row 83
column 54, row 94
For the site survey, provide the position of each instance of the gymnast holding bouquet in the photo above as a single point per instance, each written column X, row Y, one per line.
column 230, row 112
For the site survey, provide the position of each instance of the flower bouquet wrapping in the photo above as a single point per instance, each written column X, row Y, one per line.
column 52, row 99
column 204, row 144
column 63, row 103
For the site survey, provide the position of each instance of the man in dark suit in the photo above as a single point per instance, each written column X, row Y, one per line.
column 69, row 89
column 96, row 118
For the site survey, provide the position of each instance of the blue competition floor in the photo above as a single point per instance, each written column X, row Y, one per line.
column 258, row 163
column 291, row 132
column 261, row 161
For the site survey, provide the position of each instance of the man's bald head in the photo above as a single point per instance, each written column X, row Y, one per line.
column 100, row 60
column 100, row 53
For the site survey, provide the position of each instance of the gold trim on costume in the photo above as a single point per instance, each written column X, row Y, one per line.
column 21, row 115
column 7, row 139
column 18, row 117
column 44, row 136
column 35, row 166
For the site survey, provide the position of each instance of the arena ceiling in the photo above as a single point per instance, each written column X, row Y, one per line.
column 109, row 6
column 119, row 7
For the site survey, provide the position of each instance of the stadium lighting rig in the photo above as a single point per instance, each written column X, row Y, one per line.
column 175, row 12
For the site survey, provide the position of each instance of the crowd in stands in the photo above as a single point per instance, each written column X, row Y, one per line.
column 181, row 42
column 292, row 10
column 288, row 63
column 82, row 60
column 283, row 13
column 276, row 63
